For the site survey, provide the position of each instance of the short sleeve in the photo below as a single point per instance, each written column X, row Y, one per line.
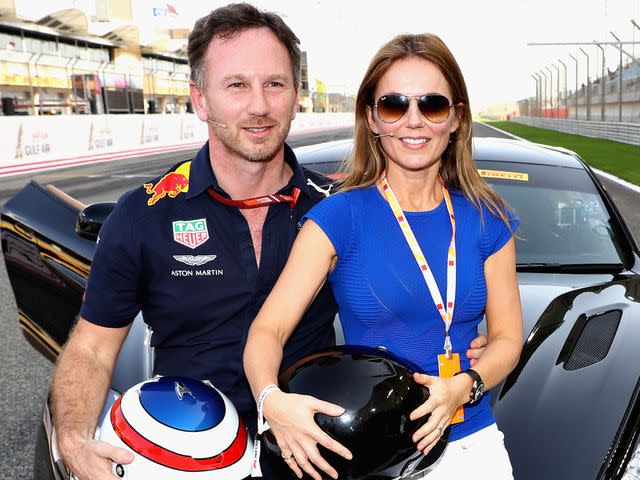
column 111, row 296
column 334, row 216
column 496, row 233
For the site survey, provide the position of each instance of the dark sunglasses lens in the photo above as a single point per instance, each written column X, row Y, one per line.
column 434, row 107
column 392, row 107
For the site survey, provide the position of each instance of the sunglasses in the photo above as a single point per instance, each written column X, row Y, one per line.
column 393, row 106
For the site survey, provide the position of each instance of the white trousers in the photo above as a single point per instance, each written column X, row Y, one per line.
column 480, row 456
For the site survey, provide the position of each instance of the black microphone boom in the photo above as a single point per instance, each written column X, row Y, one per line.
column 385, row 135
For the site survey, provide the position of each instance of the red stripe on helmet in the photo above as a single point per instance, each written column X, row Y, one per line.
column 167, row 458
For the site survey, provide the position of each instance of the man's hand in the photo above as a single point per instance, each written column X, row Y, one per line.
column 78, row 393
column 476, row 348
column 92, row 459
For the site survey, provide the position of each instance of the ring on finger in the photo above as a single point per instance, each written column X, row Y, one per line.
column 287, row 459
column 441, row 430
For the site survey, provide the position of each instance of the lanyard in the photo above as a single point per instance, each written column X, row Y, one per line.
column 446, row 312
column 256, row 202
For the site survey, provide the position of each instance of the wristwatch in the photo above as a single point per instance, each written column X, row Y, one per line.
column 477, row 387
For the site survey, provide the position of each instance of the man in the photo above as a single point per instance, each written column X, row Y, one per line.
column 189, row 249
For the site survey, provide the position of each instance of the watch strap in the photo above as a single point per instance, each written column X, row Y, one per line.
column 478, row 384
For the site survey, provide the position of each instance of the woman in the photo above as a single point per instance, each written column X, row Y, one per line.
column 414, row 239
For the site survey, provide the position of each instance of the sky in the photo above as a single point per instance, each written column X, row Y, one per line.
column 488, row 37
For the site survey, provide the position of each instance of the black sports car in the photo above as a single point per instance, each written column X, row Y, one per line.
column 570, row 409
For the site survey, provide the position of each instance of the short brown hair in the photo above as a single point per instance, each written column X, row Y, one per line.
column 226, row 22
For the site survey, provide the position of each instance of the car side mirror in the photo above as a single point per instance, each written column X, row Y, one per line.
column 91, row 218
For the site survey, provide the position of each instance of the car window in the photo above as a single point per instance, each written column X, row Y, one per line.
column 328, row 169
column 563, row 217
column 324, row 168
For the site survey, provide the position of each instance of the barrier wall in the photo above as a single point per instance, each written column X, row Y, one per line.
column 40, row 143
column 619, row 132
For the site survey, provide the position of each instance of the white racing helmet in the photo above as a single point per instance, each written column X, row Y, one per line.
column 178, row 428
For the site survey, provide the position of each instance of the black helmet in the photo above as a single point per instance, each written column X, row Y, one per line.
column 378, row 392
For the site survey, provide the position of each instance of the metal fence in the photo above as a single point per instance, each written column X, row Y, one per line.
column 619, row 132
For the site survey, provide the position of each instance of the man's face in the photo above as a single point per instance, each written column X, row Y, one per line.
column 250, row 89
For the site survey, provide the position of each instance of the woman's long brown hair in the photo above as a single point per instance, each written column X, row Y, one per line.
column 367, row 162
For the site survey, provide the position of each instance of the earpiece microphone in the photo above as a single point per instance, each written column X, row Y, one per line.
column 385, row 135
column 223, row 125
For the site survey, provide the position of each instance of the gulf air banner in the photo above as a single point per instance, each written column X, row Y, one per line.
column 39, row 143
column 33, row 143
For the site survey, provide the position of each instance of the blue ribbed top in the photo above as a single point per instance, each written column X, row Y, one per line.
column 382, row 296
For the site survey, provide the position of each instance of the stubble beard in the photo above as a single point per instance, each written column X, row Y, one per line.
column 254, row 151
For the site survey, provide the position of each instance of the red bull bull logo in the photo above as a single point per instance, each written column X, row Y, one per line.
column 171, row 185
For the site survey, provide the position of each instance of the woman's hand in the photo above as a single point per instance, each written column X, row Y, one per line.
column 290, row 417
column 445, row 396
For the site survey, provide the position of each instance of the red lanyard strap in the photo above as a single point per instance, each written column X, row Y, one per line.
column 256, row 202
column 446, row 311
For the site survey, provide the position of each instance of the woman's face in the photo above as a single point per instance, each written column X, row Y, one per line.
column 417, row 143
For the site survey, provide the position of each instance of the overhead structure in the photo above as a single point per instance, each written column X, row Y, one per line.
column 72, row 20
column 124, row 35
column 8, row 9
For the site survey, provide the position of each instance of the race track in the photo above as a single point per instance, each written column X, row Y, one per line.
column 25, row 375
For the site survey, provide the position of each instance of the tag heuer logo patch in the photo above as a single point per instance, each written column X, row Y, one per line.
column 191, row 233
column 195, row 260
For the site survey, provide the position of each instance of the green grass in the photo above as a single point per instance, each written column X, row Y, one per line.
column 619, row 159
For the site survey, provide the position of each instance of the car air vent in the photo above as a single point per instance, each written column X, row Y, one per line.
column 594, row 340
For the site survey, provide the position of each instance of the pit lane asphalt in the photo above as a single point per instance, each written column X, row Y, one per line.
column 25, row 374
